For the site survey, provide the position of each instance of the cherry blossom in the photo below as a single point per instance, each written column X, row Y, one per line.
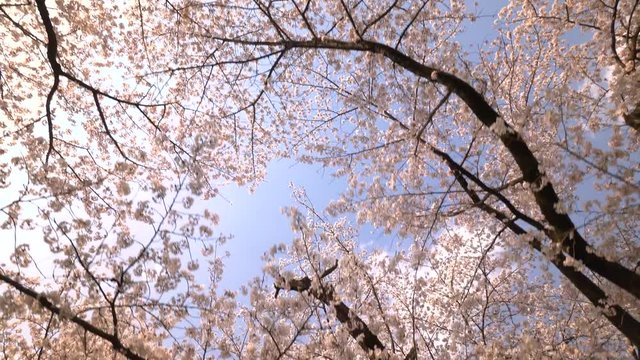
column 506, row 175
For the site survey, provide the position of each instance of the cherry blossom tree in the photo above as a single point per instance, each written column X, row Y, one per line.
column 509, row 176
column 470, row 301
column 99, row 174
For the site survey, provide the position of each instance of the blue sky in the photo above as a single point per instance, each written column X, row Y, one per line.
column 255, row 219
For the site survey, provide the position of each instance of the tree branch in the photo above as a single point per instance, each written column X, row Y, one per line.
column 562, row 229
column 616, row 315
column 47, row 304
column 358, row 329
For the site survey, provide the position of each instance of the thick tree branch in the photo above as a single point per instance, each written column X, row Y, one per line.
column 52, row 56
column 619, row 317
column 616, row 315
column 358, row 329
column 47, row 304
column 633, row 118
